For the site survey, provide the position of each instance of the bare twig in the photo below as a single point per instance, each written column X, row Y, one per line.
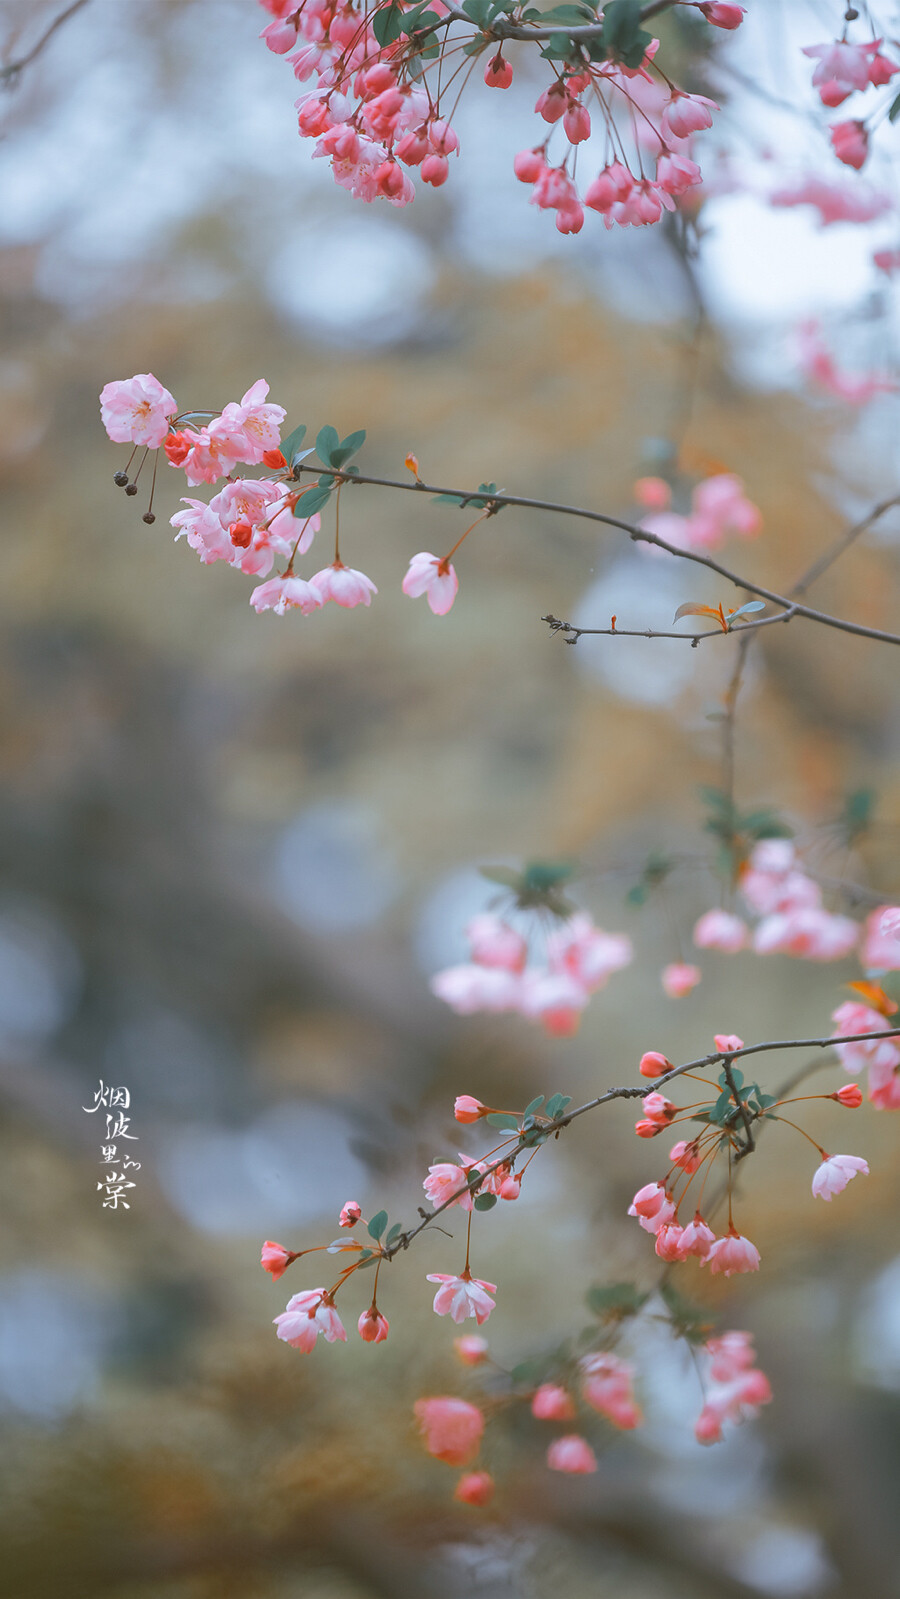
column 496, row 501
column 11, row 70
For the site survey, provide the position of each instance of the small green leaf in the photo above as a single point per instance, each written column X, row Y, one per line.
column 502, row 1119
column 744, row 610
column 387, row 24
column 615, row 1299
column 312, row 501
column 557, row 1103
column 364, row 1263
column 347, row 447
column 507, row 875
column 894, row 112
column 292, row 443
column 541, row 876
column 366, row 1254
column 688, row 1320
column 378, row 1224
column 485, row 1201
column 395, row 1232
column 478, row 10
column 535, row 1105
column 326, row 441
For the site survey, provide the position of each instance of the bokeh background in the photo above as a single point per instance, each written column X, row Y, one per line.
column 234, row 848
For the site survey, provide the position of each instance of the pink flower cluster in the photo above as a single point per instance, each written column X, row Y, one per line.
column 734, row 1386
column 843, row 69
column 881, row 1056
column 445, row 1179
column 719, row 507
column 657, row 1212
column 375, row 113
column 579, row 960
column 835, row 202
column 792, row 921
column 818, row 365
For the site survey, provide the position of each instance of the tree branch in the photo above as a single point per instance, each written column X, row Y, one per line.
column 12, row 68
column 496, row 501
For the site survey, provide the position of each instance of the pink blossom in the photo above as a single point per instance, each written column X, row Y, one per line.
column 697, row 1238
column 351, row 1213
column 253, row 426
column 556, row 1000
column 732, row 1254
column 813, row 934
column 467, row 989
column 434, row 578
column 727, row 1043
column 835, row 1172
column 657, row 1108
column 735, row 1388
column 459, row 1297
column 835, row 202
column 577, row 122
column 608, row 1387
column 850, row 143
column 676, row 174
column 528, row 166
column 467, row 1109
column 203, row 531
column 668, row 1242
column 881, row 940
column 471, row 1349
column 653, row 1064
column 498, row 74
column 653, row 493
column 137, row 410
column 841, row 64
column 443, row 1180
column 282, row 594
column 306, row 1316
column 687, row 113
column 850, row 1096
column 679, row 978
column 586, row 953
column 344, row 585
column 373, row 1326
column 721, row 930
column 818, row 364
column 884, row 1086
column 652, row 1207
column 476, row 1487
column 494, row 943
column 275, row 1258
column 686, row 1155
column 552, row 1403
column 721, row 502
column 452, row 1428
column 721, row 14
column 882, row 1053
column 571, row 1454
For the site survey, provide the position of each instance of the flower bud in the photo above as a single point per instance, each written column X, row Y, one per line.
column 653, row 1064
column 849, row 1096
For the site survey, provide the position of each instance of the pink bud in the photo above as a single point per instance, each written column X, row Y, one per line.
column 571, row 1454
column 443, row 138
column 389, row 179
column 475, row 1488
column 653, row 493
column 498, row 74
column 850, row 143
column 552, row 103
column 722, row 15
column 467, row 1109
column 850, row 1096
column 570, row 218
column 653, row 1064
column 528, row 166
column 552, row 1403
column 577, row 123
column 350, row 1214
column 647, row 1129
column 275, row 1258
column 435, row 170
column 471, row 1349
column 373, row 1327
column 412, row 148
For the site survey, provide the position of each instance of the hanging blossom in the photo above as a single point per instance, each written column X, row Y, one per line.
column 718, row 508
column 580, row 958
column 374, row 111
column 734, row 1387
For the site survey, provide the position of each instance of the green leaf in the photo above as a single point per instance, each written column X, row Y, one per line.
column 737, row 1078
column 856, row 818
column 574, row 16
column 502, row 1119
column 366, row 1254
column 364, row 1263
column 395, row 1232
column 378, row 1224
column 292, row 443
column 744, row 610
column 615, row 1300
column 387, row 24
column 347, row 447
column 622, row 33
column 326, row 441
column 894, row 112
column 507, row 875
column 475, row 47
column 535, row 1105
column 559, row 47
column 478, row 10
column 557, row 1103
column 688, row 1320
column 541, row 876
column 312, row 501
column 485, row 1201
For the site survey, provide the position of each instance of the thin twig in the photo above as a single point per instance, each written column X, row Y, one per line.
column 496, row 501
column 526, row 1141
column 557, row 626
column 13, row 68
